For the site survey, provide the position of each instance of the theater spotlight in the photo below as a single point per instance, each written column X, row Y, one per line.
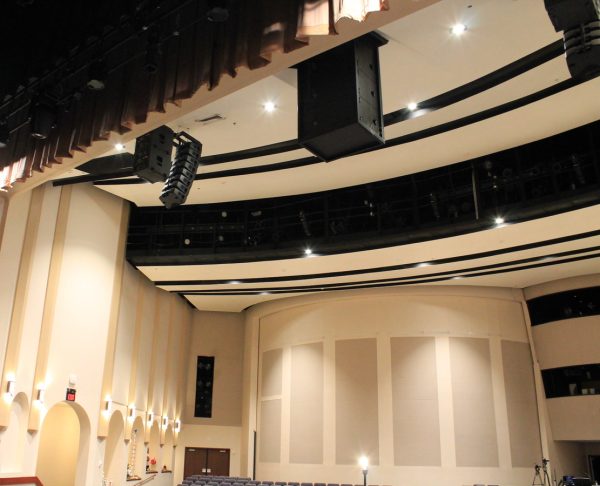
column 4, row 134
column 43, row 116
column 97, row 74
column 183, row 171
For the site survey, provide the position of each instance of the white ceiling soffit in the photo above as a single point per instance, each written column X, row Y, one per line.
column 421, row 60
column 537, row 258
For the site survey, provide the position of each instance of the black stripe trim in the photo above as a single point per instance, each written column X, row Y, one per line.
column 414, row 282
column 401, row 279
column 488, row 81
column 389, row 268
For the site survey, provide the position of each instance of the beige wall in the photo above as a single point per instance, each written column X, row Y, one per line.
column 569, row 342
column 211, row 436
column 59, row 447
column 378, row 354
column 218, row 334
column 72, row 308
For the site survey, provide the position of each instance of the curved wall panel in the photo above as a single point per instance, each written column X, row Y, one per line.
column 432, row 384
column 564, row 343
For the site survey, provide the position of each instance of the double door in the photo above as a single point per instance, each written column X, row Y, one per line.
column 206, row 461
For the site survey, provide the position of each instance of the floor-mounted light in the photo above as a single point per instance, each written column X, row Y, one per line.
column 363, row 462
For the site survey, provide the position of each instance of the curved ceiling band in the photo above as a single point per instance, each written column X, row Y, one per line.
column 455, row 95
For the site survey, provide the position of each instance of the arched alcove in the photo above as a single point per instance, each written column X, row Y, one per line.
column 115, row 452
column 136, row 452
column 167, row 455
column 154, row 447
column 64, row 442
column 12, row 439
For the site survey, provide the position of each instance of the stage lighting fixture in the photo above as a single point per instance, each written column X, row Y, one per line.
column 580, row 22
column 97, row 75
column 43, row 117
column 4, row 134
column 183, row 171
column 153, row 52
column 217, row 11
column 152, row 157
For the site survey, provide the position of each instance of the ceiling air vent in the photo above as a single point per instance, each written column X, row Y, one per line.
column 210, row 119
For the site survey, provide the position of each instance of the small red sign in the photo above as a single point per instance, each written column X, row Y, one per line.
column 71, row 392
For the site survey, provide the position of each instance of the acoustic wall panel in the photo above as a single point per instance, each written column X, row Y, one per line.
column 523, row 423
column 306, row 404
column 269, row 434
column 271, row 373
column 473, row 402
column 415, row 402
column 356, row 400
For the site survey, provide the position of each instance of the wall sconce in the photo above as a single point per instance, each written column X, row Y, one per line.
column 177, row 425
column 131, row 412
column 41, row 394
column 107, row 405
column 165, row 422
column 11, row 386
column 150, row 418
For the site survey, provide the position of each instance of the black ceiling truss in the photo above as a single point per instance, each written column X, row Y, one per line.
column 542, row 178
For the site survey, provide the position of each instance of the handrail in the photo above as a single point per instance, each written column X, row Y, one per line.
column 21, row 480
column 144, row 481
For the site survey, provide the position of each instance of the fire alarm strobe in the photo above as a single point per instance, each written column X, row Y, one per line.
column 71, row 392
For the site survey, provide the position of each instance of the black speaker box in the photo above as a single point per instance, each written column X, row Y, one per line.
column 582, row 47
column 182, row 174
column 152, row 157
column 339, row 99
column 566, row 14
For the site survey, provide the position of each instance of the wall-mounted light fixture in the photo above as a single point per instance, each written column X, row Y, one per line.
column 41, row 394
column 177, row 425
column 11, row 386
column 150, row 418
column 131, row 411
column 107, row 405
column 165, row 422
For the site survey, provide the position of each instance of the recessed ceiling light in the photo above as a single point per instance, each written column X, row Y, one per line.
column 499, row 220
column 458, row 29
column 308, row 251
column 119, row 146
column 269, row 107
column 412, row 106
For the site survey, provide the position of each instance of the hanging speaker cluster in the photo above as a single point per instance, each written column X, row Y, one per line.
column 152, row 157
column 183, row 171
column 580, row 22
column 339, row 99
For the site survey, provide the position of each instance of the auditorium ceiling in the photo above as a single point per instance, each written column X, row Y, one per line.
column 421, row 60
